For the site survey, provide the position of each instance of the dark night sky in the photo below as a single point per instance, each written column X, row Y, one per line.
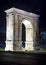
column 35, row 6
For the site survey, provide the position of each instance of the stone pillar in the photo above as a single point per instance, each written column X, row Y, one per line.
column 16, row 27
column 20, row 38
column 9, row 32
column 29, row 39
column 16, row 47
column 36, row 33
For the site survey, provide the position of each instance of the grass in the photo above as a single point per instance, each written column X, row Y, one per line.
column 2, row 49
column 35, row 51
column 43, row 49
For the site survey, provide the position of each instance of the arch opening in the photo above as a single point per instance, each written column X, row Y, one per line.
column 27, row 32
column 23, row 35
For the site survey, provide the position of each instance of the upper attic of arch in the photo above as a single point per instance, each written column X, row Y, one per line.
column 19, row 11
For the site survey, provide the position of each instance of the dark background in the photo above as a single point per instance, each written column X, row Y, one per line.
column 34, row 6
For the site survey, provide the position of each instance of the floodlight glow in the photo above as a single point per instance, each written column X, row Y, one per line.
column 27, row 23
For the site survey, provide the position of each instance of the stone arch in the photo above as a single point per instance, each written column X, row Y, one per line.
column 28, row 31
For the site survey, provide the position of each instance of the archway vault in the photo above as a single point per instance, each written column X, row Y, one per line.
column 28, row 32
column 27, row 23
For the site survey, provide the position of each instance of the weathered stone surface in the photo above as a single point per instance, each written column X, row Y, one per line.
column 14, row 20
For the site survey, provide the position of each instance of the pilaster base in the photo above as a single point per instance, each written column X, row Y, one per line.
column 29, row 46
column 9, row 45
column 18, row 46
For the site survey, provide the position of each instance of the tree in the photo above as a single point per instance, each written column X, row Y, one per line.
column 43, row 37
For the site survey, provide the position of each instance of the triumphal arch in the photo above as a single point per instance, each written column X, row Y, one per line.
column 21, row 30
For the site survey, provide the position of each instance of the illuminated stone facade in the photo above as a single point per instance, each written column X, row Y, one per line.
column 14, row 20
